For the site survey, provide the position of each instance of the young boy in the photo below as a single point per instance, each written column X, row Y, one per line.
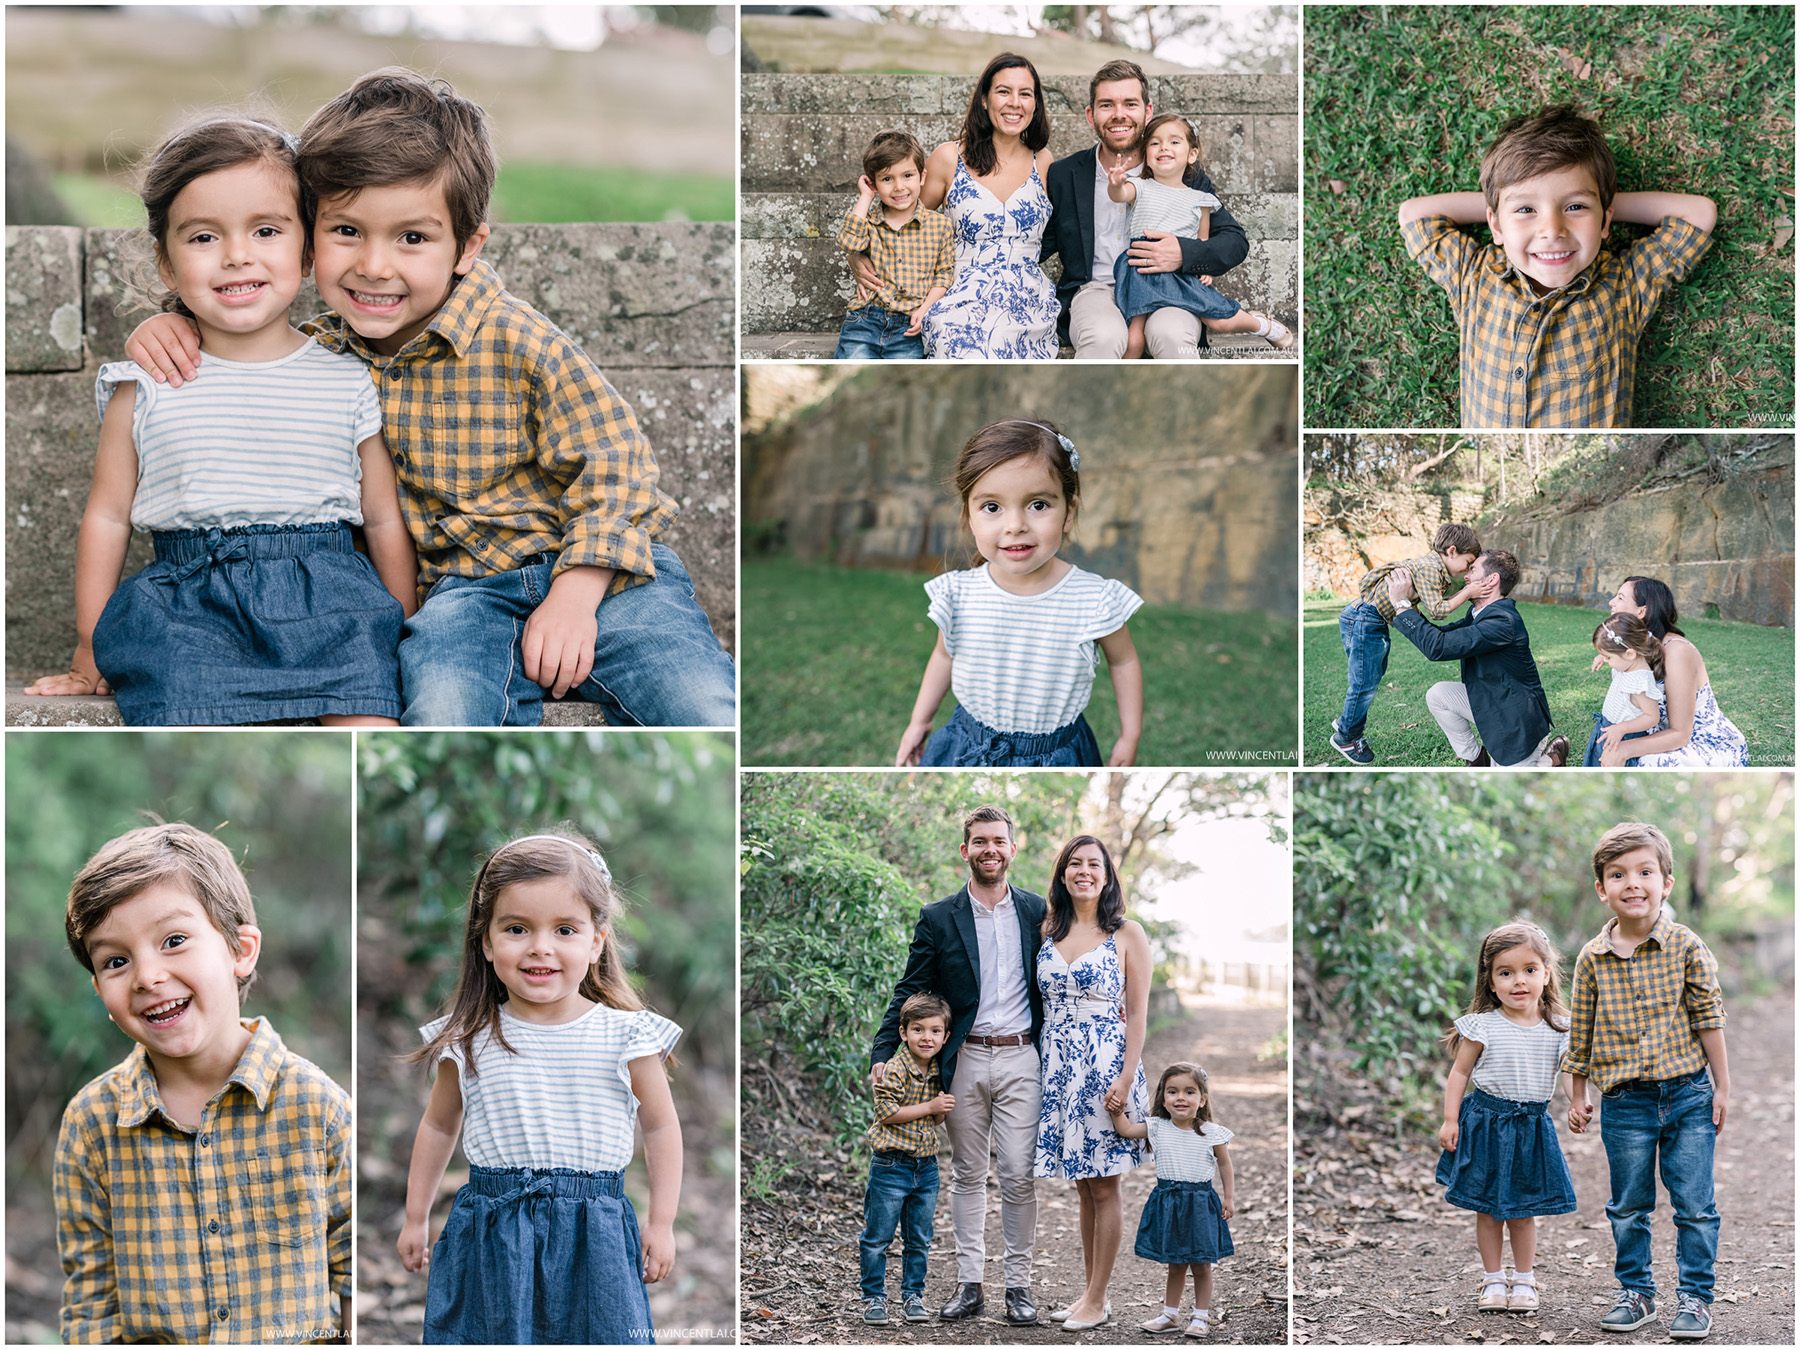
column 910, row 248
column 1549, row 323
column 202, row 1186
column 910, row 1106
column 527, row 486
column 1648, row 1022
column 1364, row 625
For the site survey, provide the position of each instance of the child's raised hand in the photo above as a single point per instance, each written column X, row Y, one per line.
column 1580, row 1113
column 659, row 1251
column 168, row 346
column 1599, row 663
column 415, row 1251
column 864, row 186
column 1447, row 1136
column 1116, row 175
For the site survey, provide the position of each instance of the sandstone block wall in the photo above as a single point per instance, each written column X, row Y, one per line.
column 654, row 305
column 803, row 137
column 1187, row 487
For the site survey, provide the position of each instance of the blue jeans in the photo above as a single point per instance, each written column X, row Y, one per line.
column 1592, row 759
column 875, row 333
column 1672, row 1118
column 656, row 661
column 902, row 1193
column 1365, row 635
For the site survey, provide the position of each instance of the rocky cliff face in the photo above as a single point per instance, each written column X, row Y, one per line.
column 1188, row 475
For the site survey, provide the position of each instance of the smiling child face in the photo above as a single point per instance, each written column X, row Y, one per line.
column 541, row 939
column 168, row 977
column 1019, row 517
column 235, row 252
column 1634, row 887
column 386, row 259
column 1518, row 977
column 1551, row 226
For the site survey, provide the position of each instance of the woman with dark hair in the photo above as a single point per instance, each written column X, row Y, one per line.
column 990, row 181
column 1694, row 733
column 1093, row 961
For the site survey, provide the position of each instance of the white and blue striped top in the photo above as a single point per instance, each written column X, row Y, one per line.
column 249, row 443
column 1175, row 209
column 1025, row 663
column 1186, row 1155
column 1517, row 1063
column 1618, row 706
column 564, row 1099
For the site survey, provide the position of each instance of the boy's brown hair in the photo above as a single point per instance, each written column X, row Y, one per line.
column 1500, row 563
column 1557, row 137
column 923, row 1005
column 177, row 854
column 1459, row 537
column 890, row 148
column 1623, row 838
column 396, row 126
column 984, row 814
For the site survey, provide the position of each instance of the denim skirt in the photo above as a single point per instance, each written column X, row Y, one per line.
column 259, row 623
column 1591, row 760
column 1183, row 1223
column 1136, row 293
column 1507, row 1163
column 538, row 1257
column 964, row 743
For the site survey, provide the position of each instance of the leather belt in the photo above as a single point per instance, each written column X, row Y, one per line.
column 1023, row 1038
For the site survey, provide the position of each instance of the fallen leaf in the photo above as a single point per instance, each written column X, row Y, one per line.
column 1337, row 185
column 1784, row 231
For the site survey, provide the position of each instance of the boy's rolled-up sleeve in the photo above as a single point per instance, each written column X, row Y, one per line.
column 853, row 234
column 90, row 1299
column 1700, row 992
column 1583, row 998
column 588, row 436
column 338, row 1186
column 889, row 1096
column 1660, row 259
column 1443, row 250
column 943, row 267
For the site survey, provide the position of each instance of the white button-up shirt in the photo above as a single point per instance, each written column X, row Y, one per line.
column 1110, row 217
column 1005, row 1008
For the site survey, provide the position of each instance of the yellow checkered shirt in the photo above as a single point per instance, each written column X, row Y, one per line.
column 237, row 1232
column 1432, row 584
column 1566, row 359
column 1640, row 1017
column 509, row 443
column 904, row 1084
column 911, row 260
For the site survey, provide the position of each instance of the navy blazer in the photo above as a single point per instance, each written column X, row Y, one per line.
column 1511, row 710
column 1071, row 231
column 945, row 959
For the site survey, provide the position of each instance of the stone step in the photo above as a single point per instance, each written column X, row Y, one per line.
column 820, row 346
column 93, row 710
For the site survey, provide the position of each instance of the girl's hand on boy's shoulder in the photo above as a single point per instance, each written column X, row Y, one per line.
column 659, row 1251
column 168, row 347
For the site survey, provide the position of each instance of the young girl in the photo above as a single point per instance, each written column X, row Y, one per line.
column 1017, row 635
column 1501, row 1157
column 1183, row 1223
column 257, row 608
column 1161, row 200
column 546, row 1059
column 1634, row 700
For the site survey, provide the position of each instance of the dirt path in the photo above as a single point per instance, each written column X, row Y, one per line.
column 800, row 1255
column 1382, row 1260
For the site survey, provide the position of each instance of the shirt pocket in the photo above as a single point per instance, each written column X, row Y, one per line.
column 286, row 1195
column 474, row 434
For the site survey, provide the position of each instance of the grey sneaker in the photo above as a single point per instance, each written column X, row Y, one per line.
column 1356, row 751
column 875, row 1311
column 1630, row 1310
column 1692, row 1320
column 913, row 1308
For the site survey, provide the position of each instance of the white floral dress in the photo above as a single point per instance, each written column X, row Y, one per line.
column 1001, row 303
column 1715, row 744
column 1083, row 1051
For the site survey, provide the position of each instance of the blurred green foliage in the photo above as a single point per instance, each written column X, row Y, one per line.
column 1398, row 876
column 531, row 192
column 835, row 868
column 660, row 805
column 279, row 800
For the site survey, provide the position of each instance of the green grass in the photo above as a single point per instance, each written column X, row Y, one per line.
column 1401, row 102
column 526, row 193
column 542, row 193
column 1751, row 669
column 833, row 657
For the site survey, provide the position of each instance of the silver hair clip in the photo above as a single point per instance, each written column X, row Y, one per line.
column 1062, row 440
column 599, row 862
column 1614, row 636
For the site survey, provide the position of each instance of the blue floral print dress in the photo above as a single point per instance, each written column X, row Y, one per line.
column 1083, row 1052
column 1001, row 303
column 1715, row 744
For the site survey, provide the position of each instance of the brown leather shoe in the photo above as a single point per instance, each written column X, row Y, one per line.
column 1558, row 750
column 1480, row 761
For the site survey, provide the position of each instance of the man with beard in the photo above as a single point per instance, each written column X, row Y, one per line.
column 978, row 950
column 1088, row 229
